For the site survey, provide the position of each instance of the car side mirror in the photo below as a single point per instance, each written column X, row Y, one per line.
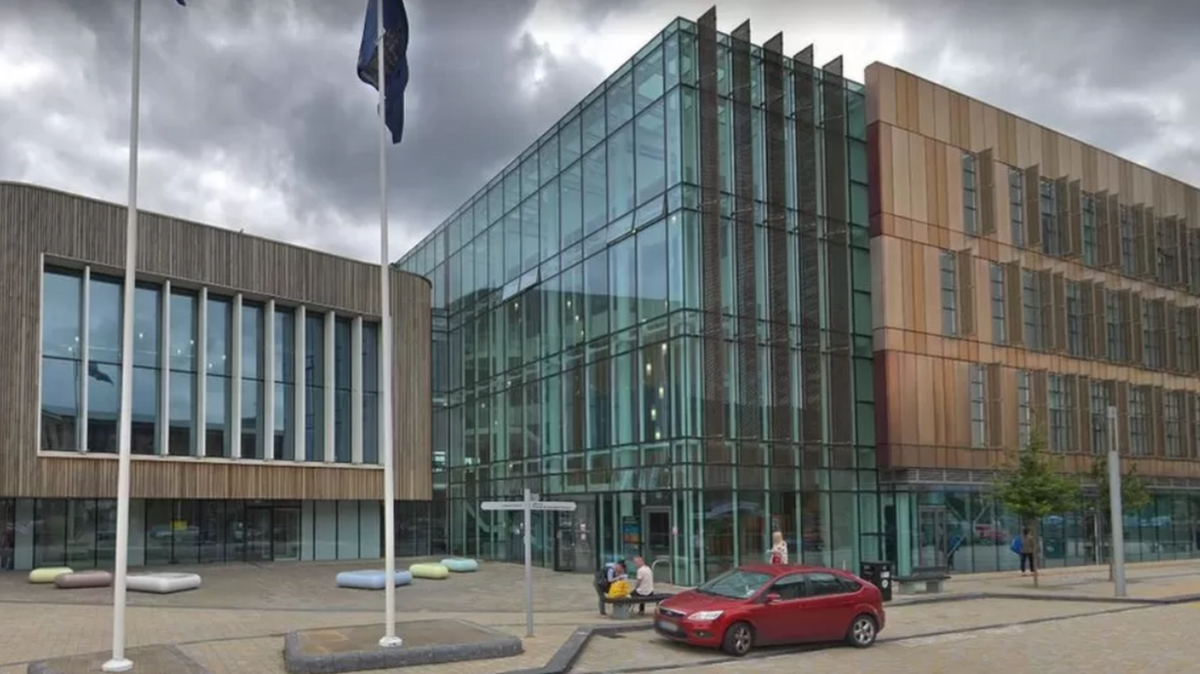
column 772, row 598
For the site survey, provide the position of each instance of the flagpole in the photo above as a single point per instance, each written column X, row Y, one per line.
column 118, row 662
column 385, row 362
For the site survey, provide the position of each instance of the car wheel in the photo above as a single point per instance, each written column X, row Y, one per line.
column 862, row 632
column 739, row 639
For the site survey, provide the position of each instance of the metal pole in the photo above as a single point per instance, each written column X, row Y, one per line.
column 118, row 662
column 385, row 361
column 1115, row 509
column 528, row 509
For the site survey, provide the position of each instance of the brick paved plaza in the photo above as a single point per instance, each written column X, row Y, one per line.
column 235, row 622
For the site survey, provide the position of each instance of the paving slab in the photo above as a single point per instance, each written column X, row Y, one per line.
column 354, row 648
column 158, row 659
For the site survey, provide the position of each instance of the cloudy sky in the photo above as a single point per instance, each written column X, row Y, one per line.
column 252, row 116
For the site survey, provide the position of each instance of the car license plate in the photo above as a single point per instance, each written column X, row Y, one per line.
column 667, row 626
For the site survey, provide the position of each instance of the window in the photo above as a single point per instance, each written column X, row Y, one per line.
column 1184, row 341
column 1195, row 425
column 1016, row 205
column 1075, row 321
column 62, row 330
column 789, row 587
column 949, row 285
column 1193, row 253
column 1031, row 309
column 283, row 443
column 1056, row 405
column 978, row 406
column 999, row 322
column 314, row 385
column 370, row 378
column 343, row 332
column 1167, row 252
column 252, row 441
column 1099, row 413
column 218, row 340
column 1152, row 355
column 1089, row 228
column 1114, row 324
column 1172, row 430
column 1051, row 227
column 1125, row 222
column 970, row 195
column 103, row 362
column 822, row 584
column 1138, row 442
column 1024, row 408
column 184, row 308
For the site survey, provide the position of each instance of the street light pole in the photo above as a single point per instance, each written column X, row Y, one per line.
column 1115, row 514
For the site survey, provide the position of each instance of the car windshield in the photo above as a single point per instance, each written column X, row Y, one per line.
column 736, row 584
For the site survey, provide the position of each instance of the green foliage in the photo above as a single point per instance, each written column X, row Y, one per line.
column 1134, row 494
column 1031, row 486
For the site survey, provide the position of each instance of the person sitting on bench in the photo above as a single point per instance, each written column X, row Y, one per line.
column 645, row 582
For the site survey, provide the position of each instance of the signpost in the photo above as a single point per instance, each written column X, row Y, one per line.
column 529, row 505
column 1116, row 511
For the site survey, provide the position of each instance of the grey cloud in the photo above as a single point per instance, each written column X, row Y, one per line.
column 1131, row 55
column 269, row 89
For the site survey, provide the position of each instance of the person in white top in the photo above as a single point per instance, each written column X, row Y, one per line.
column 779, row 551
column 645, row 582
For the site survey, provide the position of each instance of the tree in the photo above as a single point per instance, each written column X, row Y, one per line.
column 1134, row 496
column 1032, row 486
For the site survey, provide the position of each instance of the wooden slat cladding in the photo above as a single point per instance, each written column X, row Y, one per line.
column 1033, row 207
column 986, row 167
column 966, row 293
column 995, row 406
column 1013, row 293
column 37, row 222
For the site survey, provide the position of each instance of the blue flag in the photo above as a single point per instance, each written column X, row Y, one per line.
column 181, row 3
column 395, row 67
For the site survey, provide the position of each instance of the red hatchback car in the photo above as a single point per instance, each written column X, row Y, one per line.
column 761, row 605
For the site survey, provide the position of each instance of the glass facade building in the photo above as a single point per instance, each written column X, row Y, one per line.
column 218, row 376
column 661, row 310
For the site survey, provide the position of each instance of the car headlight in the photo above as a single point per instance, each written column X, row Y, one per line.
column 704, row 616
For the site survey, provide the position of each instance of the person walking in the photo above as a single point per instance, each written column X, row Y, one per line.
column 1028, row 548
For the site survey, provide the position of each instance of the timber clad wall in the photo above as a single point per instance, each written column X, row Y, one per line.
column 35, row 221
column 1024, row 300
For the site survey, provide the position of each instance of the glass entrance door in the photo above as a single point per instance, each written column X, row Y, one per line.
column 659, row 542
column 285, row 538
column 258, row 535
column 564, row 542
column 931, row 536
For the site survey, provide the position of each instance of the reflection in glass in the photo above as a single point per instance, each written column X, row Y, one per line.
column 104, row 404
column 370, row 368
column 621, row 184
column 104, row 319
column 595, row 191
column 62, row 329
column 144, row 438
column 651, row 165
column 147, row 316
column 285, row 367
column 183, row 331
column 217, row 340
column 182, row 415
column 314, row 377
column 342, row 383
column 252, row 380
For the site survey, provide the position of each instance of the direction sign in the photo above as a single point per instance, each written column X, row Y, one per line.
column 561, row 506
column 503, row 505
column 528, row 505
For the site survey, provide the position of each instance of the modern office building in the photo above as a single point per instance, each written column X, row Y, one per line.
column 1025, row 280
column 661, row 311
column 255, row 392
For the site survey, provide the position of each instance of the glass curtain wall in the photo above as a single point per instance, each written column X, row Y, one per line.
column 655, row 272
column 205, row 374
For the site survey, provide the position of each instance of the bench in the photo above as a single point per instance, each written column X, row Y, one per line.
column 934, row 578
column 621, row 606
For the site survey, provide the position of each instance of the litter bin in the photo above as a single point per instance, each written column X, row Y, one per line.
column 878, row 574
